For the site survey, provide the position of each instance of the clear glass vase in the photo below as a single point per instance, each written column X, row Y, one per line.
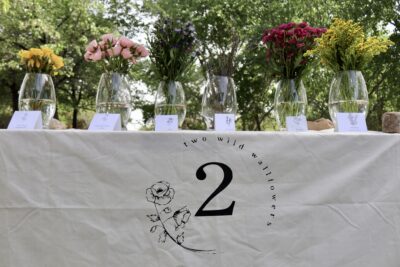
column 114, row 96
column 170, row 100
column 348, row 94
column 290, row 100
column 37, row 94
column 219, row 97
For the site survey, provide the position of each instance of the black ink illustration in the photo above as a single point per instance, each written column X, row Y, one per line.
column 168, row 223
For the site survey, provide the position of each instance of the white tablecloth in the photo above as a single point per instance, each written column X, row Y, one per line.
column 78, row 198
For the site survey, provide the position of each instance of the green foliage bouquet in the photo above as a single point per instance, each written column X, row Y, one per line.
column 172, row 48
column 345, row 47
column 222, row 62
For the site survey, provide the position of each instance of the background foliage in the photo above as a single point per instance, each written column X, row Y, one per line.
column 68, row 25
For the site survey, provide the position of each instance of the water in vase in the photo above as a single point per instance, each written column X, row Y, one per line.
column 348, row 106
column 285, row 109
column 46, row 106
column 172, row 109
column 123, row 109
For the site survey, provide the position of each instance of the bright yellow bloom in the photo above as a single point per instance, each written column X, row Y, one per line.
column 25, row 54
column 36, row 52
column 31, row 63
column 344, row 46
column 47, row 52
column 57, row 61
column 41, row 60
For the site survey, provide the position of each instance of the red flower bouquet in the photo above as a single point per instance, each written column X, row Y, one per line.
column 286, row 45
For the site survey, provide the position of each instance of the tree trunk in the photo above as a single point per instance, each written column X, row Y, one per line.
column 14, row 94
column 258, row 123
column 75, row 118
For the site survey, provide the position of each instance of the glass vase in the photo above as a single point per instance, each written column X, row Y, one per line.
column 290, row 100
column 114, row 96
column 37, row 94
column 219, row 97
column 170, row 100
column 348, row 94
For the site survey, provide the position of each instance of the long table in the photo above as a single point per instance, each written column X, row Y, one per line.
column 79, row 198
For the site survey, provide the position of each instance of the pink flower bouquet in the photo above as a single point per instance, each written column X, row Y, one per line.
column 117, row 54
column 286, row 45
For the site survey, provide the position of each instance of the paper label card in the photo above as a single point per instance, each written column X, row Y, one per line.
column 351, row 122
column 105, row 122
column 296, row 123
column 25, row 120
column 166, row 123
column 224, row 122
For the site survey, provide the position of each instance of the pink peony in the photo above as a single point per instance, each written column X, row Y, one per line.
column 126, row 42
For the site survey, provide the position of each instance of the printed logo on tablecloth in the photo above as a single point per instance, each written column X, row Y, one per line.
column 170, row 224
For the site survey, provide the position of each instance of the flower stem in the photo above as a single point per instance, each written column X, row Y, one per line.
column 173, row 239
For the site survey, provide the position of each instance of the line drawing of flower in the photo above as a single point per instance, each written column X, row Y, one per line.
column 161, row 194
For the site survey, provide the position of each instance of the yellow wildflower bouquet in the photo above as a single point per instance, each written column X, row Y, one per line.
column 40, row 60
column 344, row 46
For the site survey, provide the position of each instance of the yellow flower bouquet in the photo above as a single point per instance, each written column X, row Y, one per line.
column 41, row 60
column 344, row 46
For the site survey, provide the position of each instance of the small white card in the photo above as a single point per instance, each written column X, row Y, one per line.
column 351, row 122
column 166, row 123
column 296, row 124
column 25, row 120
column 105, row 122
column 224, row 122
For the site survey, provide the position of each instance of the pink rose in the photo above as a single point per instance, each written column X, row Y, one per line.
column 97, row 55
column 142, row 51
column 87, row 56
column 126, row 53
column 92, row 46
column 116, row 50
column 126, row 42
column 102, row 45
column 109, row 38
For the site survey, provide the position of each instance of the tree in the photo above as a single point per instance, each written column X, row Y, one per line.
column 217, row 21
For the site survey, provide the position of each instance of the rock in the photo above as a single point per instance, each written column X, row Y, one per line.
column 320, row 124
column 391, row 122
column 57, row 125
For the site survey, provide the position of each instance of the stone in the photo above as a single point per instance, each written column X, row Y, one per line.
column 57, row 125
column 320, row 124
column 391, row 122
